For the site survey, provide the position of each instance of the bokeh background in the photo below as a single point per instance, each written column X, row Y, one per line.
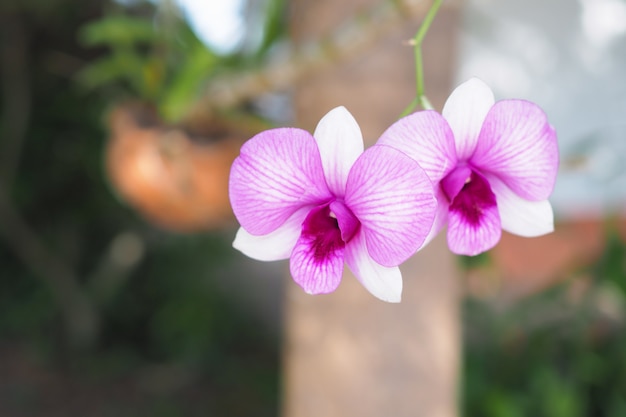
column 120, row 294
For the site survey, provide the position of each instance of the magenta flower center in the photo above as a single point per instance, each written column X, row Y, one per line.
column 329, row 228
column 469, row 193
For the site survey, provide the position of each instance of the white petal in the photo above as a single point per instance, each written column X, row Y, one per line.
column 465, row 110
column 278, row 172
column 340, row 142
column 441, row 217
column 382, row 282
column 273, row 246
column 519, row 216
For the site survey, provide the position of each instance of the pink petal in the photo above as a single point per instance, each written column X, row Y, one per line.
column 519, row 146
column 273, row 246
column 278, row 172
column 426, row 137
column 394, row 200
column 340, row 142
column 522, row 217
column 314, row 274
column 465, row 238
column 383, row 282
column 465, row 110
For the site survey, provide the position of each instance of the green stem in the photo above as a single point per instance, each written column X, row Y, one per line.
column 420, row 96
column 409, row 108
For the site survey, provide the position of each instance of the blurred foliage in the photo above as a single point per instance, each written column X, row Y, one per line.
column 469, row 262
column 274, row 26
column 167, row 341
column 148, row 63
column 36, row 8
column 156, row 57
column 556, row 354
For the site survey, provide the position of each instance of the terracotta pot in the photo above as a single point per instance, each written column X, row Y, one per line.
column 175, row 181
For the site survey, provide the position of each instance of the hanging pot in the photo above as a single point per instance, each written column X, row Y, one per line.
column 175, row 180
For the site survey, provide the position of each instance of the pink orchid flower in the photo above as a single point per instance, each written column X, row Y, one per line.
column 493, row 165
column 321, row 200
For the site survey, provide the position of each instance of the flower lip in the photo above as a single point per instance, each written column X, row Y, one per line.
column 329, row 227
column 455, row 181
column 322, row 231
column 474, row 197
column 349, row 225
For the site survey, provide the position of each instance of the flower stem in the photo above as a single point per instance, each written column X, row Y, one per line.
column 420, row 97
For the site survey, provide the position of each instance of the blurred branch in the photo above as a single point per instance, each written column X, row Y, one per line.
column 80, row 317
column 15, row 94
column 115, row 267
column 349, row 40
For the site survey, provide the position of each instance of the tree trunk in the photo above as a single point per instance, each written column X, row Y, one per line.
column 347, row 353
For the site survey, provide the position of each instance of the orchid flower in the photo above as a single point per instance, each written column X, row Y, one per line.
column 493, row 165
column 321, row 200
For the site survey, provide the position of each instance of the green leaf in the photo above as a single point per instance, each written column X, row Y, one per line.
column 118, row 31
column 186, row 85
column 102, row 72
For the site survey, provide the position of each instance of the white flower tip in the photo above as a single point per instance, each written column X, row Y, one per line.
column 337, row 117
column 547, row 229
column 474, row 89
column 388, row 295
column 340, row 108
column 394, row 300
column 477, row 82
column 271, row 247
column 340, row 113
column 240, row 241
column 390, row 292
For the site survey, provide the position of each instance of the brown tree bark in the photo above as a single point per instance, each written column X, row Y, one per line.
column 347, row 353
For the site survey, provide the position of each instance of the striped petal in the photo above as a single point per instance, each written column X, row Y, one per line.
column 474, row 221
column 393, row 199
column 518, row 145
column 278, row 172
column 317, row 259
column 468, row 238
column 426, row 137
